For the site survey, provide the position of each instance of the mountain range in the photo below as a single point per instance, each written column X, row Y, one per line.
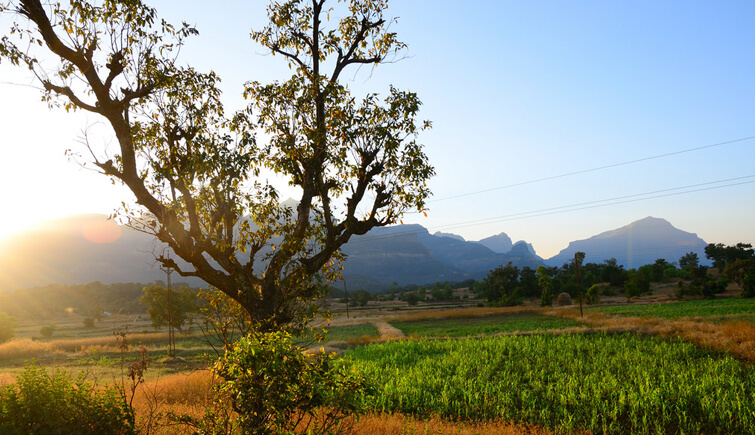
column 87, row 248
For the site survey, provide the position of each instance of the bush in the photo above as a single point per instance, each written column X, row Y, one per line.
column 47, row 330
column 89, row 322
column 7, row 327
column 412, row 299
column 273, row 387
column 42, row 403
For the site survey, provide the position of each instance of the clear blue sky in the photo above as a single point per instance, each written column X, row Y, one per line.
column 517, row 91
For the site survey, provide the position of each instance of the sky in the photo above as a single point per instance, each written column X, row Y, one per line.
column 552, row 121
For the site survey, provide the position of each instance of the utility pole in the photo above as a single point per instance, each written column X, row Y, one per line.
column 171, row 333
column 578, row 257
column 346, row 298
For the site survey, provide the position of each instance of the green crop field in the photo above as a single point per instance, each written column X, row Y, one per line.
column 487, row 325
column 716, row 309
column 598, row 382
column 346, row 333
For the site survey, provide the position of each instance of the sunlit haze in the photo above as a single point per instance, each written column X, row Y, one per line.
column 552, row 121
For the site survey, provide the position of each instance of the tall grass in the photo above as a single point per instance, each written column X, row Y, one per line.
column 603, row 383
column 702, row 308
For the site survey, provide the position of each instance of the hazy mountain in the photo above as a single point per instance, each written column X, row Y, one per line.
column 500, row 243
column 87, row 248
column 409, row 254
column 449, row 235
column 77, row 250
column 634, row 245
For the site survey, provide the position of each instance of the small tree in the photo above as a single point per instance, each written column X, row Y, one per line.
column 361, row 297
column 742, row 272
column 689, row 261
column 169, row 307
column 7, row 327
column 412, row 298
column 47, row 330
column 501, row 285
column 546, row 290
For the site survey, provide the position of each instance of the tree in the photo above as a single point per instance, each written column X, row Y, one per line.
column 412, row 298
column 742, row 272
column 7, row 327
column 169, row 307
column 46, row 331
column 721, row 255
column 544, row 282
column 361, row 297
column 195, row 172
column 689, row 261
column 501, row 285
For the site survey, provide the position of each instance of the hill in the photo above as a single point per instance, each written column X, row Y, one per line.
column 77, row 250
column 639, row 243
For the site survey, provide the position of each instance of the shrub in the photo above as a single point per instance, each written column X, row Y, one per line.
column 412, row 299
column 592, row 295
column 274, row 388
column 43, row 403
column 89, row 322
column 47, row 330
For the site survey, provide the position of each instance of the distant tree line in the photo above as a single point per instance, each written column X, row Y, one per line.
column 89, row 300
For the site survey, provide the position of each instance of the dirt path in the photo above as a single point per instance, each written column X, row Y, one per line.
column 388, row 331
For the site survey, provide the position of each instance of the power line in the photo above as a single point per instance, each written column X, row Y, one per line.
column 598, row 203
column 599, row 168
column 573, row 207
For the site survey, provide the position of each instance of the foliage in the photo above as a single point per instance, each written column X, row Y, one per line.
column 274, row 386
column 592, row 294
column 601, row 383
column 412, row 298
column 46, row 331
column 89, row 322
column 501, row 285
column 196, row 172
column 689, row 260
column 721, row 255
column 40, row 402
column 360, row 297
column 223, row 320
column 169, row 307
column 7, row 327
column 742, row 272
column 544, row 282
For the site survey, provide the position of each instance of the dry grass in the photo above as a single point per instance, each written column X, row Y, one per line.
column 736, row 338
column 26, row 349
column 6, row 379
column 457, row 313
column 398, row 424
column 186, row 393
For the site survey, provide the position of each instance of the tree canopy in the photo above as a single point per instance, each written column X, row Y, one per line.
column 195, row 171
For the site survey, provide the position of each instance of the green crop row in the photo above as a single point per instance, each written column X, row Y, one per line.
column 598, row 382
column 734, row 308
column 345, row 333
column 475, row 326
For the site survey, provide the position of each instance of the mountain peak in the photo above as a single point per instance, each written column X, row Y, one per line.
column 638, row 243
column 500, row 243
